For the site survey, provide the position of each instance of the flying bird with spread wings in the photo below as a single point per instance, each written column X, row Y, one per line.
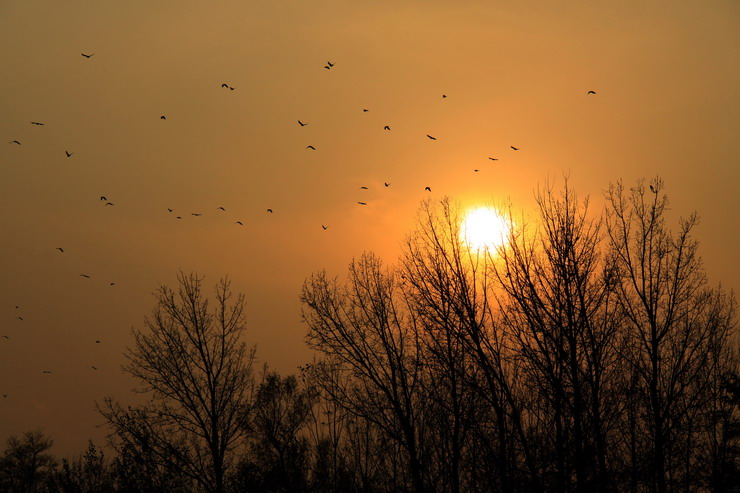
column 430, row 137
column 87, row 56
column 311, row 147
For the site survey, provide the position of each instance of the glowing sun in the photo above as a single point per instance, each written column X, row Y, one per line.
column 484, row 229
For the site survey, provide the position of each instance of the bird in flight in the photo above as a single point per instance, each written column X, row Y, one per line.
column 227, row 86
column 363, row 188
column 433, row 138
column 94, row 367
column 162, row 117
column 36, row 123
column 45, row 371
column 87, row 56
column 85, row 276
column 97, row 341
column 102, row 197
column 20, row 318
column 515, row 148
column 239, row 223
column 386, row 127
column 386, row 184
column 493, row 158
column 109, row 203
column 324, row 227
column 222, row 209
column 112, row 284
column 365, row 110
column 60, row 249
column 652, row 189
column 269, row 210
column 179, row 217
column 311, row 147
column 428, row 189
column 302, row 124
column 476, row 170
column 14, row 142
column 170, row 210
column 6, row 337
column 196, row 214
column 328, row 65
column 69, row 154
column 591, row 92
column 444, row 96
column 362, row 203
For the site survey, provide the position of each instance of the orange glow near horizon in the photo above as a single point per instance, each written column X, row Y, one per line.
column 484, row 229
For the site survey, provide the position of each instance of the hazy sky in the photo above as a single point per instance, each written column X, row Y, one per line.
column 667, row 80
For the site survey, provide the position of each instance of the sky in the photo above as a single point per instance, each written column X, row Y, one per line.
column 479, row 76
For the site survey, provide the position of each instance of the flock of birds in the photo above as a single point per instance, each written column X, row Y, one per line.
column 107, row 203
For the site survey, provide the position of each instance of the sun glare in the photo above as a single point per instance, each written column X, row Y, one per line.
column 484, row 229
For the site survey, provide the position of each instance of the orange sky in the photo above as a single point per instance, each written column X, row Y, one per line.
column 667, row 79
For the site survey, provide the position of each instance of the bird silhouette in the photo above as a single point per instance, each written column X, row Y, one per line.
column 14, row 142
column 109, row 203
column 362, row 203
column 45, row 371
column 493, row 158
column 5, row 395
column 94, row 367
column 112, row 284
column 591, row 92
column 227, row 86
column 196, row 214
column 102, row 197
column 239, row 223
column 69, row 154
column 162, row 117
column 386, row 127
column 269, row 210
column 179, row 217
column 327, row 67
column 324, row 227
column 444, row 96
column 515, row 148
column 311, row 147
column 85, row 276
column 652, row 189
column 363, row 188
column 169, row 210
column 6, row 337
column 20, row 318
column 476, row 170
column 330, row 64
column 365, row 110
column 222, row 209
column 60, row 249
column 37, row 123
column 87, row 56
column 302, row 124
column 433, row 138
column 428, row 189
column 386, row 184
column 97, row 341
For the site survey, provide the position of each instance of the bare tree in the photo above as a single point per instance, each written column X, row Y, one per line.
column 372, row 340
column 25, row 465
column 197, row 372
column 676, row 329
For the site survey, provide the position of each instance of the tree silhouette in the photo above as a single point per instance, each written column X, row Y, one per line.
column 25, row 464
column 197, row 371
